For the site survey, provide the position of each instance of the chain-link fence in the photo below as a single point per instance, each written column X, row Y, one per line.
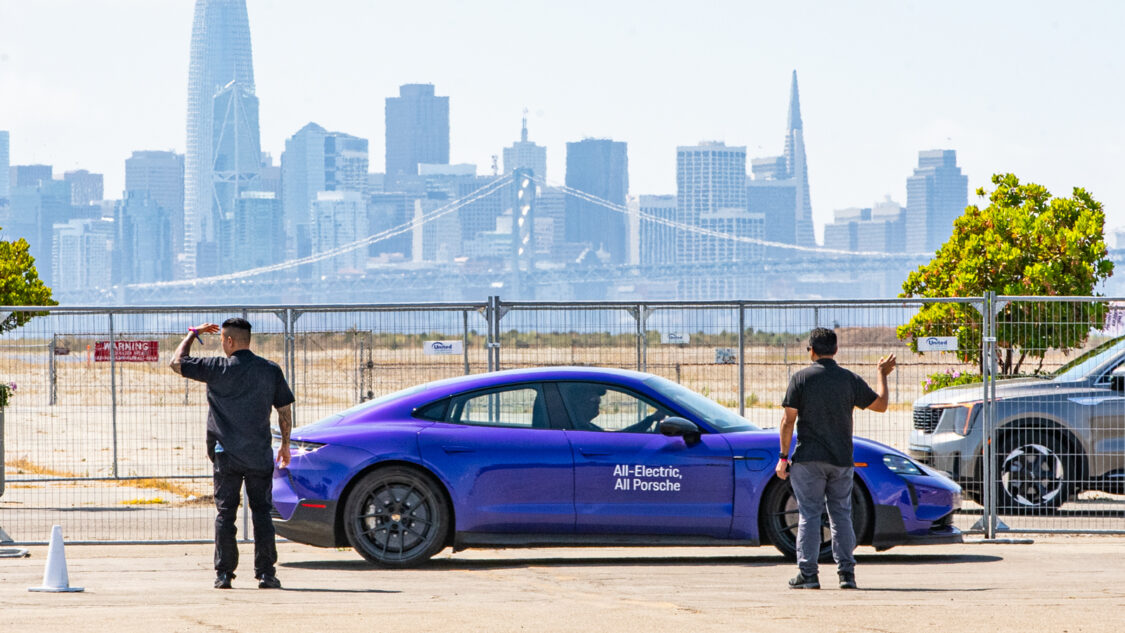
column 1055, row 412
column 99, row 429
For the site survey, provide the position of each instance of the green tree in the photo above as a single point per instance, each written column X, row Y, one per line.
column 1025, row 242
column 20, row 284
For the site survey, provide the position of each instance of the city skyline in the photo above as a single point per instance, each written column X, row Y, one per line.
column 1057, row 142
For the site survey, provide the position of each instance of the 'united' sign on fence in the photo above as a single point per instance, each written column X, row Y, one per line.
column 128, row 351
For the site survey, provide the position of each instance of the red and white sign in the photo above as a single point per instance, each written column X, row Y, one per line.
column 128, row 351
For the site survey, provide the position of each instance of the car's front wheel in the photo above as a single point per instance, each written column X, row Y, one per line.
column 780, row 518
column 396, row 517
column 1036, row 470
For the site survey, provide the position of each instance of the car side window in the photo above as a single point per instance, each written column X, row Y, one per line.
column 599, row 407
column 521, row 407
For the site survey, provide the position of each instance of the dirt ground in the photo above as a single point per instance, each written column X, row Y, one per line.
column 1066, row 584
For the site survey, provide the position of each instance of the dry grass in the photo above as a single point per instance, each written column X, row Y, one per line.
column 24, row 466
column 163, row 484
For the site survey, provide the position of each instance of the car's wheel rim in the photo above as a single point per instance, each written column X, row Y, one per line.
column 1032, row 475
column 788, row 518
column 396, row 519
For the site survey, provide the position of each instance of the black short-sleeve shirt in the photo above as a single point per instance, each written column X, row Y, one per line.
column 241, row 390
column 824, row 395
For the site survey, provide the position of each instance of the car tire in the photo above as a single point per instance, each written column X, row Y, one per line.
column 1035, row 472
column 396, row 517
column 779, row 518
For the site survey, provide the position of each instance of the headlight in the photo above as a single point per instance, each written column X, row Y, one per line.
column 901, row 465
column 298, row 447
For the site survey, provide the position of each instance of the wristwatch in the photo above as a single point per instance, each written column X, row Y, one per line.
column 783, row 456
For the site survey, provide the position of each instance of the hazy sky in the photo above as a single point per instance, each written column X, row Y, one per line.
column 1035, row 88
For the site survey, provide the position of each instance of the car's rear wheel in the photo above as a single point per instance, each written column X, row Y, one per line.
column 780, row 518
column 396, row 517
column 1036, row 471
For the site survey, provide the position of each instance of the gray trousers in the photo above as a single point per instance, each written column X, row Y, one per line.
column 814, row 485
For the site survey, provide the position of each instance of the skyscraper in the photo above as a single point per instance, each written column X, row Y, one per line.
column 31, row 175
column 257, row 231
column 83, row 255
column 85, row 188
column 144, row 240
column 417, row 125
column 797, row 168
column 5, row 186
column 710, row 185
column 32, row 212
column 161, row 176
column 317, row 160
column 523, row 154
column 599, row 167
column 936, row 195
column 340, row 217
column 657, row 241
column 236, row 159
column 220, row 55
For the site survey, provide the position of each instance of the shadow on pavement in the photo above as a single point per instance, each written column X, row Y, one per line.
column 924, row 589
column 321, row 590
column 638, row 561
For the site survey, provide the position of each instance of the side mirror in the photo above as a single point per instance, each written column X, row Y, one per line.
column 679, row 427
column 1117, row 382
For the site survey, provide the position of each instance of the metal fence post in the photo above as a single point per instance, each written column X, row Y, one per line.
column 741, row 359
column 112, row 389
column 465, row 339
column 988, row 371
column 54, row 390
column 640, row 317
column 494, row 315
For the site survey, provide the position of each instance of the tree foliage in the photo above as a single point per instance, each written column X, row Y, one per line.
column 20, row 284
column 1025, row 242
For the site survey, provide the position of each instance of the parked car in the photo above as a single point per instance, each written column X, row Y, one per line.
column 568, row 457
column 1055, row 435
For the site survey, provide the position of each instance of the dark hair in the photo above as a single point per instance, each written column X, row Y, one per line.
column 823, row 341
column 238, row 329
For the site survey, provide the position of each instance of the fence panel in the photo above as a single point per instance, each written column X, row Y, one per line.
column 1059, row 418
column 345, row 356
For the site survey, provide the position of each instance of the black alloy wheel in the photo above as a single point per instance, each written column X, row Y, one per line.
column 396, row 517
column 779, row 519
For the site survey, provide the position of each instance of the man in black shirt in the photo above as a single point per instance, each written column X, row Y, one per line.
column 819, row 401
column 241, row 389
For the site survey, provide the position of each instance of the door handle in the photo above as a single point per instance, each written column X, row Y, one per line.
column 589, row 452
column 453, row 448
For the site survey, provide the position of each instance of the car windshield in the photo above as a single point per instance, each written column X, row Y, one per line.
column 706, row 409
column 1081, row 366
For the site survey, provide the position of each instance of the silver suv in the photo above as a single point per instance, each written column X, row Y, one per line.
column 1055, row 436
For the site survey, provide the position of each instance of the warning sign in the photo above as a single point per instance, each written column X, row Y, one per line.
column 128, row 351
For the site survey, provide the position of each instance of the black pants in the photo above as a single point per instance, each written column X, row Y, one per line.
column 229, row 477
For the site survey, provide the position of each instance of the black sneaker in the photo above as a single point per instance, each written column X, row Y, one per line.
column 268, row 582
column 847, row 579
column 222, row 580
column 801, row 581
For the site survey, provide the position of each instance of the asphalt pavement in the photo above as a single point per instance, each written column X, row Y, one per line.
column 1065, row 583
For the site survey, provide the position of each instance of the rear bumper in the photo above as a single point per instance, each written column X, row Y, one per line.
column 313, row 522
column 890, row 531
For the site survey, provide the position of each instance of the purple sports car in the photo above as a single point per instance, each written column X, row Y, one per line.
column 566, row 457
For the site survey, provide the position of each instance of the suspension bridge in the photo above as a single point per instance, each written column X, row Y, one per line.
column 799, row 272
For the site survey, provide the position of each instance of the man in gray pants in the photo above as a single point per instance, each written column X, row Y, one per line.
column 819, row 402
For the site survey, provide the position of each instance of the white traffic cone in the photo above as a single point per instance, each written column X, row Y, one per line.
column 55, row 579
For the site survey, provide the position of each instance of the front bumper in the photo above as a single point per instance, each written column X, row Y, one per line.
column 891, row 531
